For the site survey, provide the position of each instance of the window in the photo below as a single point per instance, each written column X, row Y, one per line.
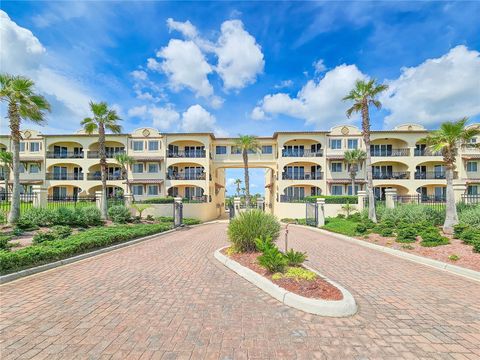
column 337, row 189
column 296, row 192
column 235, row 150
column 137, row 168
column 336, row 167
column 293, row 150
column 153, row 145
column 137, row 145
column 353, row 143
column 473, row 190
column 472, row 166
column 335, row 144
column 220, row 150
column 152, row 189
column 34, row 146
column 21, row 168
column 22, row 146
column 34, row 169
column 267, row 149
column 381, row 150
column 350, row 190
column 137, row 189
column 153, row 168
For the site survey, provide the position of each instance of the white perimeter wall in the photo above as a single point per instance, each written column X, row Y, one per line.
column 297, row 210
column 201, row 211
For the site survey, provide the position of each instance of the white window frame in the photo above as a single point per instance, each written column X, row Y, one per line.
column 153, row 142
column 135, row 142
column 155, row 193
column 134, row 168
column 36, row 143
column 472, row 166
column 335, row 141
column 337, row 187
column 352, row 147
column 336, row 169
column 135, row 189
column 217, row 147
column 153, row 164
column 22, row 146
column 34, row 166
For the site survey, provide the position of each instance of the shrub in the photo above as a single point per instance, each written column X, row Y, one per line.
column 35, row 217
column 355, row 217
column 249, row 225
column 476, row 246
column 299, row 273
column 164, row 219
column 150, row 218
column 334, row 199
column 412, row 214
column 140, row 208
column 361, row 228
column 263, row 243
column 119, row 214
column 4, row 242
column 470, row 235
column 82, row 242
column 17, row 231
column 431, row 237
column 88, row 216
column 454, row 257
column 164, row 200
column 61, row 232
column 65, row 216
column 43, row 236
column 471, row 216
column 407, row 234
column 459, row 229
column 273, row 260
column 3, row 217
column 191, row 221
column 295, row 258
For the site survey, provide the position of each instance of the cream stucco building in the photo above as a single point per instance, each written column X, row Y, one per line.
column 192, row 165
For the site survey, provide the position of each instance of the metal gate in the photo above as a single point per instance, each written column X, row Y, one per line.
column 177, row 214
column 311, row 214
column 231, row 211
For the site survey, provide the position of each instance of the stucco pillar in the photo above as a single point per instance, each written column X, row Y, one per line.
column 40, row 198
column 458, row 191
column 177, row 219
column 260, row 202
column 98, row 199
column 321, row 212
column 390, row 196
column 362, row 195
column 128, row 199
column 236, row 205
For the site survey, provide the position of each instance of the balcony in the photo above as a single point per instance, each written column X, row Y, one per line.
column 187, row 176
column 429, row 175
column 390, row 152
column 98, row 176
column 302, row 153
column 187, row 154
column 108, row 154
column 196, row 199
column 292, row 199
column 65, row 155
column 303, row 176
column 64, row 176
column 426, row 152
column 395, row 175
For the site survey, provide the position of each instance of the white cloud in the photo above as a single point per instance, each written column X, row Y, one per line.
column 284, row 84
column 139, row 75
column 319, row 66
column 186, row 28
column 197, row 119
column 318, row 102
column 185, row 66
column 230, row 182
column 444, row 88
column 216, row 102
column 257, row 113
column 163, row 117
column 154, row 65
column 240, row 58
column 137, row 111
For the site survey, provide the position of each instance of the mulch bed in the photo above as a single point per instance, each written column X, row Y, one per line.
column 316, row 289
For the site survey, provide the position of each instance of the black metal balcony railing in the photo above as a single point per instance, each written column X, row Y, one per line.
column 396, row 175
column 390, row 152
column 98, row 176
column 302, row 153
column 108, row 154
column 426, row 152
column 303, row 176
column 186, row 176
column 65, row 155
column 196, row 199
column 64, row 176
column 187, row 154
column 429, row 175
column 292, row 199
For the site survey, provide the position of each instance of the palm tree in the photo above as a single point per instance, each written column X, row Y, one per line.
column 363, row 95
column 246, row 144
column 103, row 119
column 125, row 161
column 6, row 160
column 354, row 158
column 447, row 140
column 238, row 182
column 23, row 104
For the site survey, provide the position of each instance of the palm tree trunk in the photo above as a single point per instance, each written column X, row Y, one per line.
column 14, row 117
column 352, row 176
column 451, row 216
column 103, row 169
column 368, row 162
column 247, row 179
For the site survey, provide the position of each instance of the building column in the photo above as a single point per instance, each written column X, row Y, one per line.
column 177, row 219
column 362, row 195
column 40, row 198
column 458, row 191
column 128, row 200
column 390, row 196
column 260, row 202
column 98, row 199
column 236, row 205
column 321, row 212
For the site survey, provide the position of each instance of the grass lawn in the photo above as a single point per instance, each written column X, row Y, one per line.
column 341, row 226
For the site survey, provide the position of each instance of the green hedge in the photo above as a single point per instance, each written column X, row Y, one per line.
column 164, row 200
column 91, row 239
column 334, row 199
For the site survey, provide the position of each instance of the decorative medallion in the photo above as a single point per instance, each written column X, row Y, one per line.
column 27, row 134
column 345, row 130
column 410, row 127
column 146, row 132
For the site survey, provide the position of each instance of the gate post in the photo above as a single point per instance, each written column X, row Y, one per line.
column 98, row 199
column 236, row 205
column 321, row 212
column 40, row 198
column 390, row 196
column 362, row 195
column 177, row 211
column 260, row 202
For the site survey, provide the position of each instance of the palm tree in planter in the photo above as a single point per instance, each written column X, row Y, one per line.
column 6, row 160
column 247, row 144
column 363, row 95
column 448, row 139
column 125, row 161
column 23, row 104
column 354, row 158
column 103, row 119
column 238, row 182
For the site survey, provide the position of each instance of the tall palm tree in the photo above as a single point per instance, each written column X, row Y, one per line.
column 238, row 182
column 23, row 104
column 448, row 139
column 103, row 119
column 354, row 158
column 246, row 144
column 363, row 95
column 125, row 161
column 6, row 160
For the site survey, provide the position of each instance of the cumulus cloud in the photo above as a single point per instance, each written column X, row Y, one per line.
column 444, row 88
column 319, row 102
column 284, row 84
column 186, row 28
column 240, row 58
column 197, row 119
column 137, row 111
column 163, row 117
column 139, row 75
column 319, row 66
column 258, row 113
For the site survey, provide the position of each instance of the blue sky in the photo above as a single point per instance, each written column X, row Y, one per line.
column 245, row 67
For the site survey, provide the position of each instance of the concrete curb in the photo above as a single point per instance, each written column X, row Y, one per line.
column 453, row 269
column 341, row 308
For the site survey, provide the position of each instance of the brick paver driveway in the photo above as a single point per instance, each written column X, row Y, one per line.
column 169, row 298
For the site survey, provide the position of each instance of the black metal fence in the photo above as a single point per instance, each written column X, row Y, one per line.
column 26, row 202
column 115, row 200
column 70, row 201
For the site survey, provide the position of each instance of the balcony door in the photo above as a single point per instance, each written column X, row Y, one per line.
column 77, row 173
column 295, row 192
column 194, row 151
column 193, row 172
column 294, row 150
column 60, row 173
column 381, row 150
column 294, row 172
column 192, row 192
column 60, row 151
column 440, row 193
column 59, row 192
column 113, row 173
column 439, row 171
column 316, row 172
column 383, row 171
column 172, row 150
